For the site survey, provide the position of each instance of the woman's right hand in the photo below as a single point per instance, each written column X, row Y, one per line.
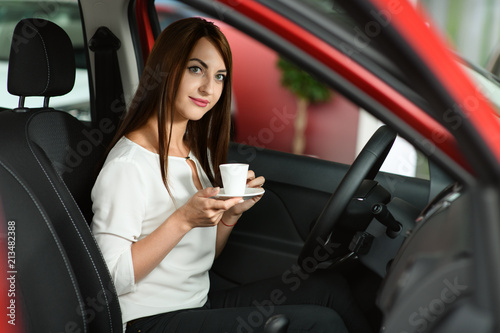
column 202, row 210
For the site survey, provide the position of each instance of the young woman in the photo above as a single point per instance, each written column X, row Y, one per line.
column 155, row 218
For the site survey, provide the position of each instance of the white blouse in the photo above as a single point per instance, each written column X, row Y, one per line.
column 129, row 202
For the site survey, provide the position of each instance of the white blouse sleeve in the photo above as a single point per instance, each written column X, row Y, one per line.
column 119, row 204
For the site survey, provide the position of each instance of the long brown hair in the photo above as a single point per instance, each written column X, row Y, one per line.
column 208, row 138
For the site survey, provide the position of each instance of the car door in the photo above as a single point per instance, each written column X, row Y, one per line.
column 269, row 237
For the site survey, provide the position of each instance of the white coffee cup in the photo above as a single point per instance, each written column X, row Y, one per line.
column 234, row 178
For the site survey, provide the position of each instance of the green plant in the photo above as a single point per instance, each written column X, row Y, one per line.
column 307, row 90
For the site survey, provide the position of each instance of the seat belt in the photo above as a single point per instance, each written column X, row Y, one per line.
column 109, row 97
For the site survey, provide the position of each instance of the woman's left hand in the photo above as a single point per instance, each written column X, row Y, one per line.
column 232, row 215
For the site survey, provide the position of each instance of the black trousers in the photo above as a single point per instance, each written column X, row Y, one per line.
column 319, row 302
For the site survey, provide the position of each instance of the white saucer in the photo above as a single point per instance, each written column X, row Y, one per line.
column 250, row 192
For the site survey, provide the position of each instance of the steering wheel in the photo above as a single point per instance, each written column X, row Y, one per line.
column 366, row 166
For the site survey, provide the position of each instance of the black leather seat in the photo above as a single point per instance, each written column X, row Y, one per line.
column 47, row 296
column 48, row 163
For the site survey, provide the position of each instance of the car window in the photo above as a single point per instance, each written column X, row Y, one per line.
column 470, row 27
column 66, row 14
column 476, row 43
column 281, row 107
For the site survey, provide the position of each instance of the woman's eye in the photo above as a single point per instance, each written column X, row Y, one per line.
column 195, row 69
column 220, row 77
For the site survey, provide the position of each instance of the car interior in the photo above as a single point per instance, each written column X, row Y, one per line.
column 49, row 165
column 407, row 245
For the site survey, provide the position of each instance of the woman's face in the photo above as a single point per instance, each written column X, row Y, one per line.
column 202, row 82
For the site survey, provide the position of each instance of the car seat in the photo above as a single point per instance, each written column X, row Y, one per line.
column 48, row 163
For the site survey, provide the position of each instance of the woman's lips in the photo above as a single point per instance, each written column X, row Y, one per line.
column 200, row 102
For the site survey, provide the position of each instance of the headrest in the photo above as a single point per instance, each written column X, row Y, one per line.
column 41, row 61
